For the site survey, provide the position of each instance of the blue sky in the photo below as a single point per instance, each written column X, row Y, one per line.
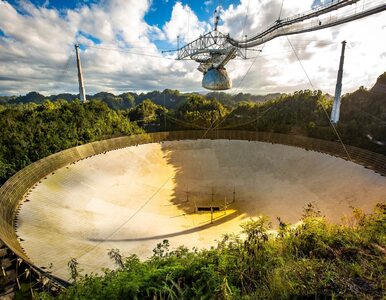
column 161, row 9
column 37, row 39
column 158, row 14
column 58, row 4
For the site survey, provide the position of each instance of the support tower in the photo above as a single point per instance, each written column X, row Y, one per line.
column 82, row 93
column 338, row 89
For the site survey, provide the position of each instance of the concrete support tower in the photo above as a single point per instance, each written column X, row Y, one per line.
column 338, row 89
column 82, row 93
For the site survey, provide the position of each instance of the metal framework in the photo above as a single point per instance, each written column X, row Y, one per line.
column 16, row 189
column 214, row 49
column 82, row 92
column 338, row 90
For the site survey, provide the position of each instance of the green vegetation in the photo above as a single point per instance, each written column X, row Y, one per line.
column 171, row 99
column 292, row 113
column 123, row 101
column 363, row 114
column 314, row 260
column 232, row 100
column 30, row 132
column 168, row 98
column 146, row 113
column 199, row 112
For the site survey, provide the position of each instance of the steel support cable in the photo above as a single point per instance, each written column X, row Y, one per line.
column 319, row 27
column 130, row 52
column 187, row 124
column 136, row 42
column 245, row 19
column 381, row 121
column 328, row 117
column 66, row 67
column 217, row 14
column 344, row 18
column 246, row 123
column 211, row 125
column 234, row 92
column 148, row 200
column 281, row 9
column 320, row 10
column 270, row 54
column 249, row 69
column 123, row 224
column 126, row 221
column 188, row 20
column 128, row 48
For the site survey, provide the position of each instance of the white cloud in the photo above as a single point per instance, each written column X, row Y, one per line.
column 250, row 17
column 278, row 70
column 38, row 43
column 185, row 24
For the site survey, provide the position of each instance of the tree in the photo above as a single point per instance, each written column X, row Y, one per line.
column 199, row 111
column 31, row 132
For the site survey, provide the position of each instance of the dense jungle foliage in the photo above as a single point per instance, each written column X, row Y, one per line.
column 31, row 131
column 362, row 122
column 314, row 260
column 168, row 98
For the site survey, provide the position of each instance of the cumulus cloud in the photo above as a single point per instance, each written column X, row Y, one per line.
column 184, row 23
column 36, row 49
column 277, row 68
column 250, row 17
column 119, row 53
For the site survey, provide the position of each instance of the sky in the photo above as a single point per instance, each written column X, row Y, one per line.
column 122, row 41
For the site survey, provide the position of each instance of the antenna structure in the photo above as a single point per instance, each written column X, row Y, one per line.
column 338, row 90
column 214, row 49
column 82, row 93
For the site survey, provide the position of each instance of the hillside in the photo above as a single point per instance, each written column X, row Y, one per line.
column 362, row 122
column 171, row 99
column 31, row 131
column 314, row 260
column 307, row 261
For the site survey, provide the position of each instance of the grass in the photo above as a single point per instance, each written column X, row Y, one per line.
column 314, row 260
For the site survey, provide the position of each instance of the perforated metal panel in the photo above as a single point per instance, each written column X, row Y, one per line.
column 14, row 190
